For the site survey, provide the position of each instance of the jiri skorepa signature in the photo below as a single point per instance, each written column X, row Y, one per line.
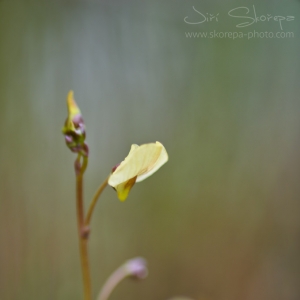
column 245, row 14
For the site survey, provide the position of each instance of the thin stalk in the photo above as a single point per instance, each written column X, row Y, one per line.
column 111, row 283
column 135, row 268
column 83, row 239
column 94, row 202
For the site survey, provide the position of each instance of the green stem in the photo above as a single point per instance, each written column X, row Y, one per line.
column 83, row 237
column 94, row 202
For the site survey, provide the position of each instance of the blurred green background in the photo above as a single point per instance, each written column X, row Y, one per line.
column 221, row 219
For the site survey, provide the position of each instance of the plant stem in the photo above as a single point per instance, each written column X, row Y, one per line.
column 83, row 238
column 111, row 283
column 135, row 268
column 94, row 202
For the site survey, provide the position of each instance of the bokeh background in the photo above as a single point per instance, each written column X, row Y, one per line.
column 221, row 220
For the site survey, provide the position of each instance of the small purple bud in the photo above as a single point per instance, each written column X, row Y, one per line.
column 77, row 121
column 68, row 139
column 115, row 167
column 137, row 268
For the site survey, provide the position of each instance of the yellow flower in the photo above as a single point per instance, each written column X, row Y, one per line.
column 141, row 162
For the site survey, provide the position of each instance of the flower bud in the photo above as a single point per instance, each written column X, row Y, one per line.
column 74, row 129
column 137, row 268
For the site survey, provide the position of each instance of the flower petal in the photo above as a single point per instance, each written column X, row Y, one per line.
column 162, row 159
column 124, row 188
column 73, row 108
column 142, row 161
column 133, row 148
